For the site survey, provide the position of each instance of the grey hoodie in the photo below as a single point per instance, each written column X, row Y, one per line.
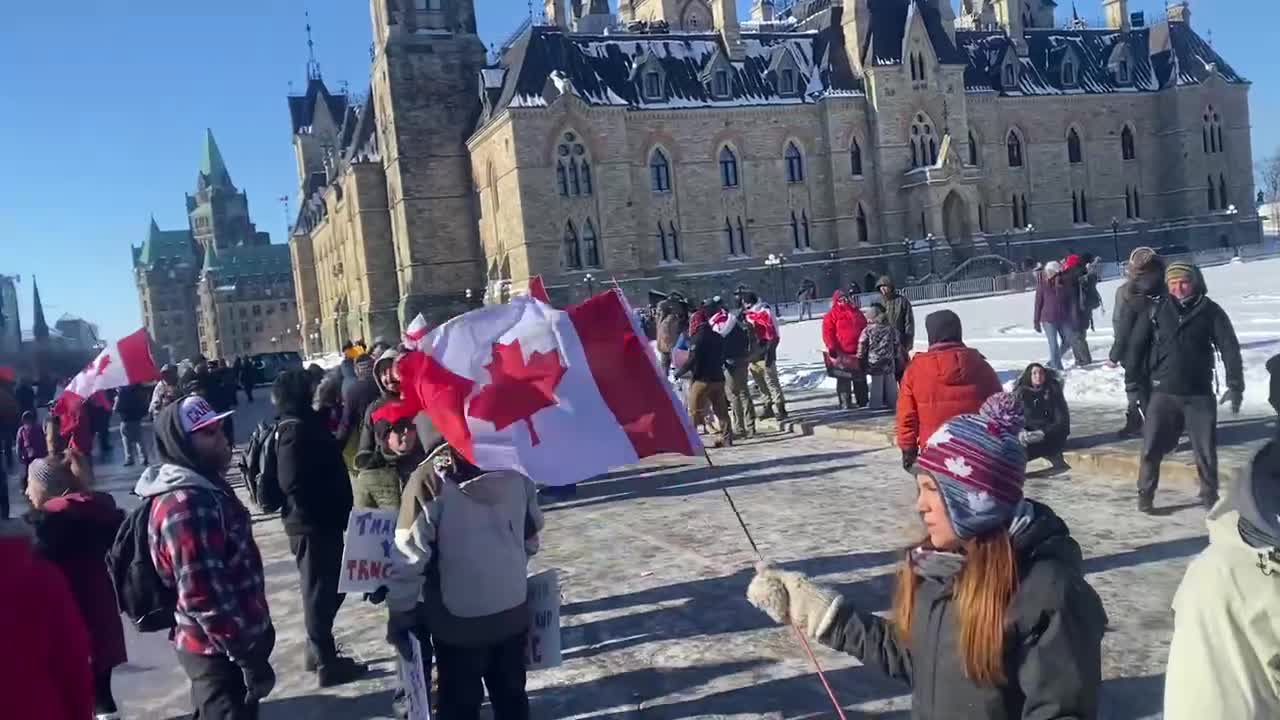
column 160, row 479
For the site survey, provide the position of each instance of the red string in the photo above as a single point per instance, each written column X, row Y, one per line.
column 804, row 642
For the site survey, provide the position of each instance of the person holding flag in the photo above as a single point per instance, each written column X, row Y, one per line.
column 764, row 369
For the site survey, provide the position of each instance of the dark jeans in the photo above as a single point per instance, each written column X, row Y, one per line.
column 1046, row 448
column 319, row 565
column 248, row 391
column 1080, row 346
column 103, row 700
column 1166, row 417
column 855, row 389
column 465, row 673
column 217, row 688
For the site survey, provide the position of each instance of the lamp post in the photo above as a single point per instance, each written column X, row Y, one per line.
column 590, row 280
column 1115, row 238
column 906, row 253
column 1008, row 237
column 1232, row 211
column 929, row 239
column 776, row 261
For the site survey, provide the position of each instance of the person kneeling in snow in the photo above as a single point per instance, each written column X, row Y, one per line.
column 454, row 527
column 1048, row 419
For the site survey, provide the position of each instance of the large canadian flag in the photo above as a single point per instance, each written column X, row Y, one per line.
column 560, row 395
column 127, row 361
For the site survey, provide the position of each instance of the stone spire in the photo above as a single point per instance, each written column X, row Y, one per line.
column 212, row 167
column 39, row 328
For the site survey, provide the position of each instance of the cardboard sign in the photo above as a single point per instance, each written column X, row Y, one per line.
column 367, row 558
column 415, row 683
column 543, row 650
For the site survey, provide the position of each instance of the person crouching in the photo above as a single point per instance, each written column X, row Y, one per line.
column 1047, row 415
column 454, row 526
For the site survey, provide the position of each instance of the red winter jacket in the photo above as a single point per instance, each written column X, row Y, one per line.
column 44, row 668
column 842, row 326
column 947, row 380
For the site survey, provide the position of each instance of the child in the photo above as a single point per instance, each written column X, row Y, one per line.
column 31, row 445
column 878, row 352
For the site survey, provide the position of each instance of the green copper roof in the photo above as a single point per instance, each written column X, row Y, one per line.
column 212, row 165
column 160, row 244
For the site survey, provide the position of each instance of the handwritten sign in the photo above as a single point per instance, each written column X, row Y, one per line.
column 543, row 650
column 414, row 683
column 367, row 558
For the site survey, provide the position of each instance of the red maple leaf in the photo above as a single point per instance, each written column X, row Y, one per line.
column 518, row 388
column 102, row 364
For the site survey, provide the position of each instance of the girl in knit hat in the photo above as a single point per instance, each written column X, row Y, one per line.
column 992, row 617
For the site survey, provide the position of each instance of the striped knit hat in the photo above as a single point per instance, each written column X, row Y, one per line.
column 979, row 466
column 1180, row 270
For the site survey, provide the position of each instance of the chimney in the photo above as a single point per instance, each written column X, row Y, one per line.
column 1117, row 12
column 556, row 13
column 724, row 15
column 762, row 11
column 1180, row 12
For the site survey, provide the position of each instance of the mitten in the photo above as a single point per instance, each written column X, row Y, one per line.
column 1030, row 437
column 790, row 597
column 909, row 458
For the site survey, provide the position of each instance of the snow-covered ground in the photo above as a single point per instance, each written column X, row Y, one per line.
column 1001, row 328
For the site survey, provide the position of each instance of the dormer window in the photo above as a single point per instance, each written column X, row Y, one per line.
column 787, row 81
column 1122, row 72
column 720, row 84
column 1010, row 79
column 1069, row 74
column 652, row 85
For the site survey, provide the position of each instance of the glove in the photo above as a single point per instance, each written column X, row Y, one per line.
column 791, row 598
column 259, row 680
column 1235, row 398
column 399, row 625
column 377, row 596
column 1030, row 437
column 909, row 458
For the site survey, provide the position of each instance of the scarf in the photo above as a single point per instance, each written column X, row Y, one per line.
column 942, row 566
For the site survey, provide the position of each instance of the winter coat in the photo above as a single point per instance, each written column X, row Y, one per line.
column 131, row 403
column 842, row 326
column 1044, row 408
column 672, row 321
column 947, row 380
column 44, row 668
column 462, row 533
column 1056, row 304
column 1053, row 639
column 31, row 443
column 161, row 396
column 74, row 532
column 1172, row 347
column 202, row 545
column 901, row 317
column 1134, row 300
column 1273, row 368
column 383, row 476
column 10, row 410
column 878, row 349
column 356, row 399
column 1224, row 660
column 313, row 476
column 765, row 322
column 706, row 358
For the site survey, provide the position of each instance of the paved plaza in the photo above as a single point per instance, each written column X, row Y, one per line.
column 654, row 569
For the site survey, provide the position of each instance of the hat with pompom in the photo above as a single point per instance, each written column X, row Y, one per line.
column 979, row 466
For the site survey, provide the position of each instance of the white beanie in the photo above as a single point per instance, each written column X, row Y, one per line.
column 1051, row 268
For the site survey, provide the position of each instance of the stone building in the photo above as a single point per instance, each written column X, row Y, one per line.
column 673, row 146
column 10, row 319
column 219, row 287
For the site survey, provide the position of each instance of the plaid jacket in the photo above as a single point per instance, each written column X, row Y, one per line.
column 202, row 544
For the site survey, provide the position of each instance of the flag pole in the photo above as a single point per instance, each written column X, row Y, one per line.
column 804, row 641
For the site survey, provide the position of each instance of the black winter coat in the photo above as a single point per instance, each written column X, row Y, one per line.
column 356, row 400
column 313, row 476
column 1053, row 639
column 1134, row 299
column 706, row 356
column 1045, row 408
column 131, row 403
column 1172, row 348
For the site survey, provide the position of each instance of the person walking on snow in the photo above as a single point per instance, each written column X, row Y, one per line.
column 1044, row 407
column 842, row 326
column 317, row 502
column 202, row 545
column 764, row 370
column 807, row 294
column 1134, row 299
column 737, row 359
column 1173, row 347
column 900, row 316
column 74, row 529
column 879, row 354
column 1224, row 659
column 1055, row 312
column 1076, row 277
column 992, row 617
column 948, row 379
column 705, row 367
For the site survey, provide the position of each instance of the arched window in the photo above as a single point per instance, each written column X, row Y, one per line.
column 575, row 182
column 729, row 237
column 573, row 174
column 1084, row 207
column 728, row 168
column 1075, row 208
column 1127, row 149
column 1137, row 203
column 1128, row 203
column 742, row 238
column 659, row 172
column 586, row 178
column 855, row 157
column 1015, row 149
column 982, row 217
column 1015, row 219
column 675, row 241
column 590, row 245
column 1026, row 216
column 861, row 221
column 571, row 254
column 795, row 230
column 914, row 74
column 920, row 63
column 1212, row 132
column 973, row 150
column 924, row 146
column 662, row 243
column 1222, row 192
column 1213, row 195
column 562, row 179
column 1075, row 154
column 795, row 164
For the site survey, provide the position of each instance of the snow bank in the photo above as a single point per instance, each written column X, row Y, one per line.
column 1001, row 328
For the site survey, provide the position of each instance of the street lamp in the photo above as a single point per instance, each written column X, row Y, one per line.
column 929, row 239
column 1115, row 238
column 1008, row 254
column 906, row 253
column 590, row 280
column 776, row 261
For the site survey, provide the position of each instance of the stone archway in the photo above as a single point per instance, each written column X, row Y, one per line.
column 955, row 218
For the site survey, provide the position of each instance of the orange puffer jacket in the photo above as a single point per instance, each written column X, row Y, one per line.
column 947, row 380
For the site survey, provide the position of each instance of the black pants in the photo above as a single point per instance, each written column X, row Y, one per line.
column 854, row 390
column 248, row 391
column 1080, row 346
column 1046, row 448
column 217, row 688
column 103, row 700
column 465, row 673
column 1166, row 417
column 319, row 565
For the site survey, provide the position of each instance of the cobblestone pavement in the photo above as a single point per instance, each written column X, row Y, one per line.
column 654, row 570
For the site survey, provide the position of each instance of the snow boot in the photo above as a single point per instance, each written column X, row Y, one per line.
column 1146, row 504
column 1132, row 426
column 340, row 671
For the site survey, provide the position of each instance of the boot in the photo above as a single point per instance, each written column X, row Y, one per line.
column 767, row 413
column 340, row 671
column 1132, row 426
column 844, row 401
column 1146, row 504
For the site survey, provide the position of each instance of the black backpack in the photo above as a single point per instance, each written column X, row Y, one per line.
column 258, row 467
column 140, row 592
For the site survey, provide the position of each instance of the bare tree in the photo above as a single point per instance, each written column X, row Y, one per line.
column 1269, row 172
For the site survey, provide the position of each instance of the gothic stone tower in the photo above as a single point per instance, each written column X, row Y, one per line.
column 426, row 66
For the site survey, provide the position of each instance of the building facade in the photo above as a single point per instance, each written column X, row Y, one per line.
column 218, row 288
column 10, row 317
column 834, row 142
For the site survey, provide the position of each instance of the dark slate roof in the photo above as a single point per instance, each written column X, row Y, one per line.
column 1162, row 56
column 236, row 262
column 164, row 246
column 359, row 136
column 888, row 27
column 601, row 69
column 302, row 108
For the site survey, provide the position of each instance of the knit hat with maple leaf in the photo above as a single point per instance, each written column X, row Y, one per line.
column 979, row 466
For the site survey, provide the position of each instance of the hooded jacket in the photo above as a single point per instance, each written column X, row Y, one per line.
column 947, row 380
column 899, row 314
column 1053, row 639
column 878, row 348
column 202, row 545
column 1057, row 303
column 50, row 677
column 472, row 534
column 367, row 444
column 842, row 326
column 75, row 532
column 312, row 473
column 706, row 358
column 1172, row 346
column 673, row 320
column 1134, row 299
column 1044, row 408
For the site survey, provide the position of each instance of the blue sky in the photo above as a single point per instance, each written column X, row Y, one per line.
column 104, row 111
